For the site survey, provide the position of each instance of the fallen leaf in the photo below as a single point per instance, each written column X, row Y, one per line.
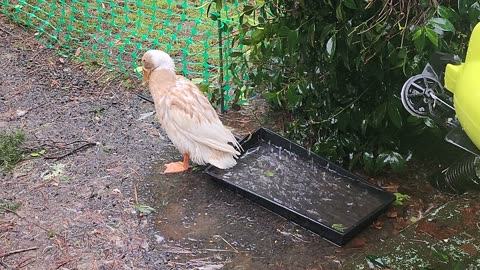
column 469, row 248
column 358, row 242
column 392, row 214
column 61, row 60
column 468, row 216
column 269, row 173
column 144, row 208
column 78, row 51
column 391, row 187
column 377, row 225
column 439, row 232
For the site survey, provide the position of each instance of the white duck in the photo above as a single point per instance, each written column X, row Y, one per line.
column 187, row 116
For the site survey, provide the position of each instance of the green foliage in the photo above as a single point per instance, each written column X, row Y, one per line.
column 145, row 209
column 10, row 148
column 337, row 67
column 400, row 198
column 339, row 227
column 7, row 205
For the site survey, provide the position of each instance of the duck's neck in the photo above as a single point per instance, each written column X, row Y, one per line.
column 160, row 81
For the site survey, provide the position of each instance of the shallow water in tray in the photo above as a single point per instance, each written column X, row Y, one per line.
column 296, row 183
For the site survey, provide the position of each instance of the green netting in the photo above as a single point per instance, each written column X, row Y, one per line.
column 116, row 33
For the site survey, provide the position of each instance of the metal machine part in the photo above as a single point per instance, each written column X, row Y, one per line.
column 424, row 96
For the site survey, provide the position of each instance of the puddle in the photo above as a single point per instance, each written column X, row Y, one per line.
column 202, row 224
column 298, row 184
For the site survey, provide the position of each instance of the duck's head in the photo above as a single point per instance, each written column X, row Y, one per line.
column 155, row 60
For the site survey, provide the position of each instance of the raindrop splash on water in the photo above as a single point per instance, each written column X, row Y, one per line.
column 301, row 185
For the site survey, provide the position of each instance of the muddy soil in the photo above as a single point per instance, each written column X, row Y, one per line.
column 74, row 207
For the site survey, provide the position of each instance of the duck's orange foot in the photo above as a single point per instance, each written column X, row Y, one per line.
column 176, row 167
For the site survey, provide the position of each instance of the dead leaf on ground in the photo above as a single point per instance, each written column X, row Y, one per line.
column 469, row 248
column 378, row 224
column 468, row 216
column 358, row 242
column 392, row 214
column 435, row 230
column 391, row 187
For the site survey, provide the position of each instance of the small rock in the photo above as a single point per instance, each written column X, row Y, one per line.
column 159, row 238
column 21, row 113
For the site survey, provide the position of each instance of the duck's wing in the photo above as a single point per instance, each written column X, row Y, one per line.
column 190, row 113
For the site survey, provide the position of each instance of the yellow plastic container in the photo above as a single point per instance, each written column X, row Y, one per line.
column 464, row 82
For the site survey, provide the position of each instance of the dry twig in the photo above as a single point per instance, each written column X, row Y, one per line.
column 84, row 146
column 4, row 255
column 6, row 31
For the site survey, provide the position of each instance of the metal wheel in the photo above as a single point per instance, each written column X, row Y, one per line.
column 419, row 95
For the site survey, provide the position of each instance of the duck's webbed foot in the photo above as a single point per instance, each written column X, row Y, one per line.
column 179, row 166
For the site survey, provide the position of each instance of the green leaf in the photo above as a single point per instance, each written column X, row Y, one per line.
column 400, row 198
column 340, row 13
column 369, row 162
column 197, row 80
column 326, row 31
column 293, row 41
column 394, row 115
column 235, row 54
column 379, row 115
column 442, row 24
column 350, row 4
column 419, row 39
column 219, row 5
column 311, row 35
column 463, row 6
column 204, row 88
column 292, row 97
column 269, row 173
column 447, row 13
column 144, row 208
column 248, row 10
column 393, row 159
column 331, row 44
column 339, row 227
column 39, row 153
column 257, row 35
column 432, row 36
column 376, row 261
column 270, row 95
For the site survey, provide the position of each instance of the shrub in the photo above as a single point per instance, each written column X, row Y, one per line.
column 337, row 68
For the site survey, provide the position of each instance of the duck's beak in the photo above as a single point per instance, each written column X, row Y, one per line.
column 146, row 76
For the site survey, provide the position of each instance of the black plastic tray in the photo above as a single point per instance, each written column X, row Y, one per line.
column 303, row 187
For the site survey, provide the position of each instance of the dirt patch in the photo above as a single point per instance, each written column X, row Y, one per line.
column 76, row 212
column 76, row 209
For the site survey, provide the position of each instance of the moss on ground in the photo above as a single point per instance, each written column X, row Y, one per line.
column 10, row 148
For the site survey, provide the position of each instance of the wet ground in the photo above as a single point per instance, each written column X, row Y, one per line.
column 447, row 238
column 76, row 207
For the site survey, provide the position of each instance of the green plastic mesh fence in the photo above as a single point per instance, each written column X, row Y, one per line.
column 116, row 33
